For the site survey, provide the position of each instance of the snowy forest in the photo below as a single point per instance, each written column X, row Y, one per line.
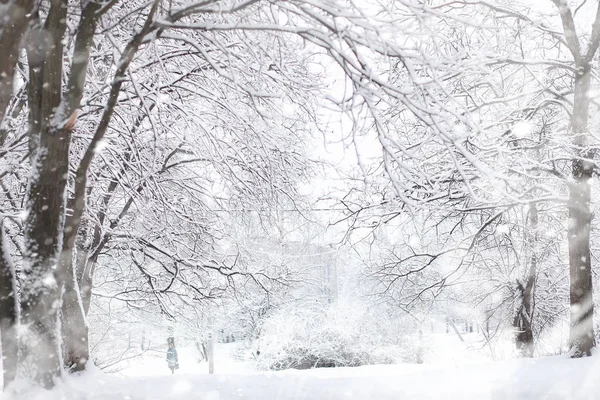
column 389, row 185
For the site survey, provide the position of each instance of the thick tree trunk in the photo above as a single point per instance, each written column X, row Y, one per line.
column 74, row 327
column 41, row 281
column 523, row 321
column 581, row 337
column 8, row 311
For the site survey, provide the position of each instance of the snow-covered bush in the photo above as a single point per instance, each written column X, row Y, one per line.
column 317, row 336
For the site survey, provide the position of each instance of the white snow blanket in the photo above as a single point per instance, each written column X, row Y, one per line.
column 550, row 378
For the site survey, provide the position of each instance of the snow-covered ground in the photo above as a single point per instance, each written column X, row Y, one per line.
column 551, row 378
column 155, row 364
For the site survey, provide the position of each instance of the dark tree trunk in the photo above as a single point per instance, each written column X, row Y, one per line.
column 41, row 281
column 523, row 321
column 8, row 311
column 74, row 327
column 581, row 337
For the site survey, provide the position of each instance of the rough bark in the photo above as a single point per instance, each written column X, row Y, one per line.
column 8, row 311
column 523, row 321
column 74, row 327
column 41, row 286
column 581, row 337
